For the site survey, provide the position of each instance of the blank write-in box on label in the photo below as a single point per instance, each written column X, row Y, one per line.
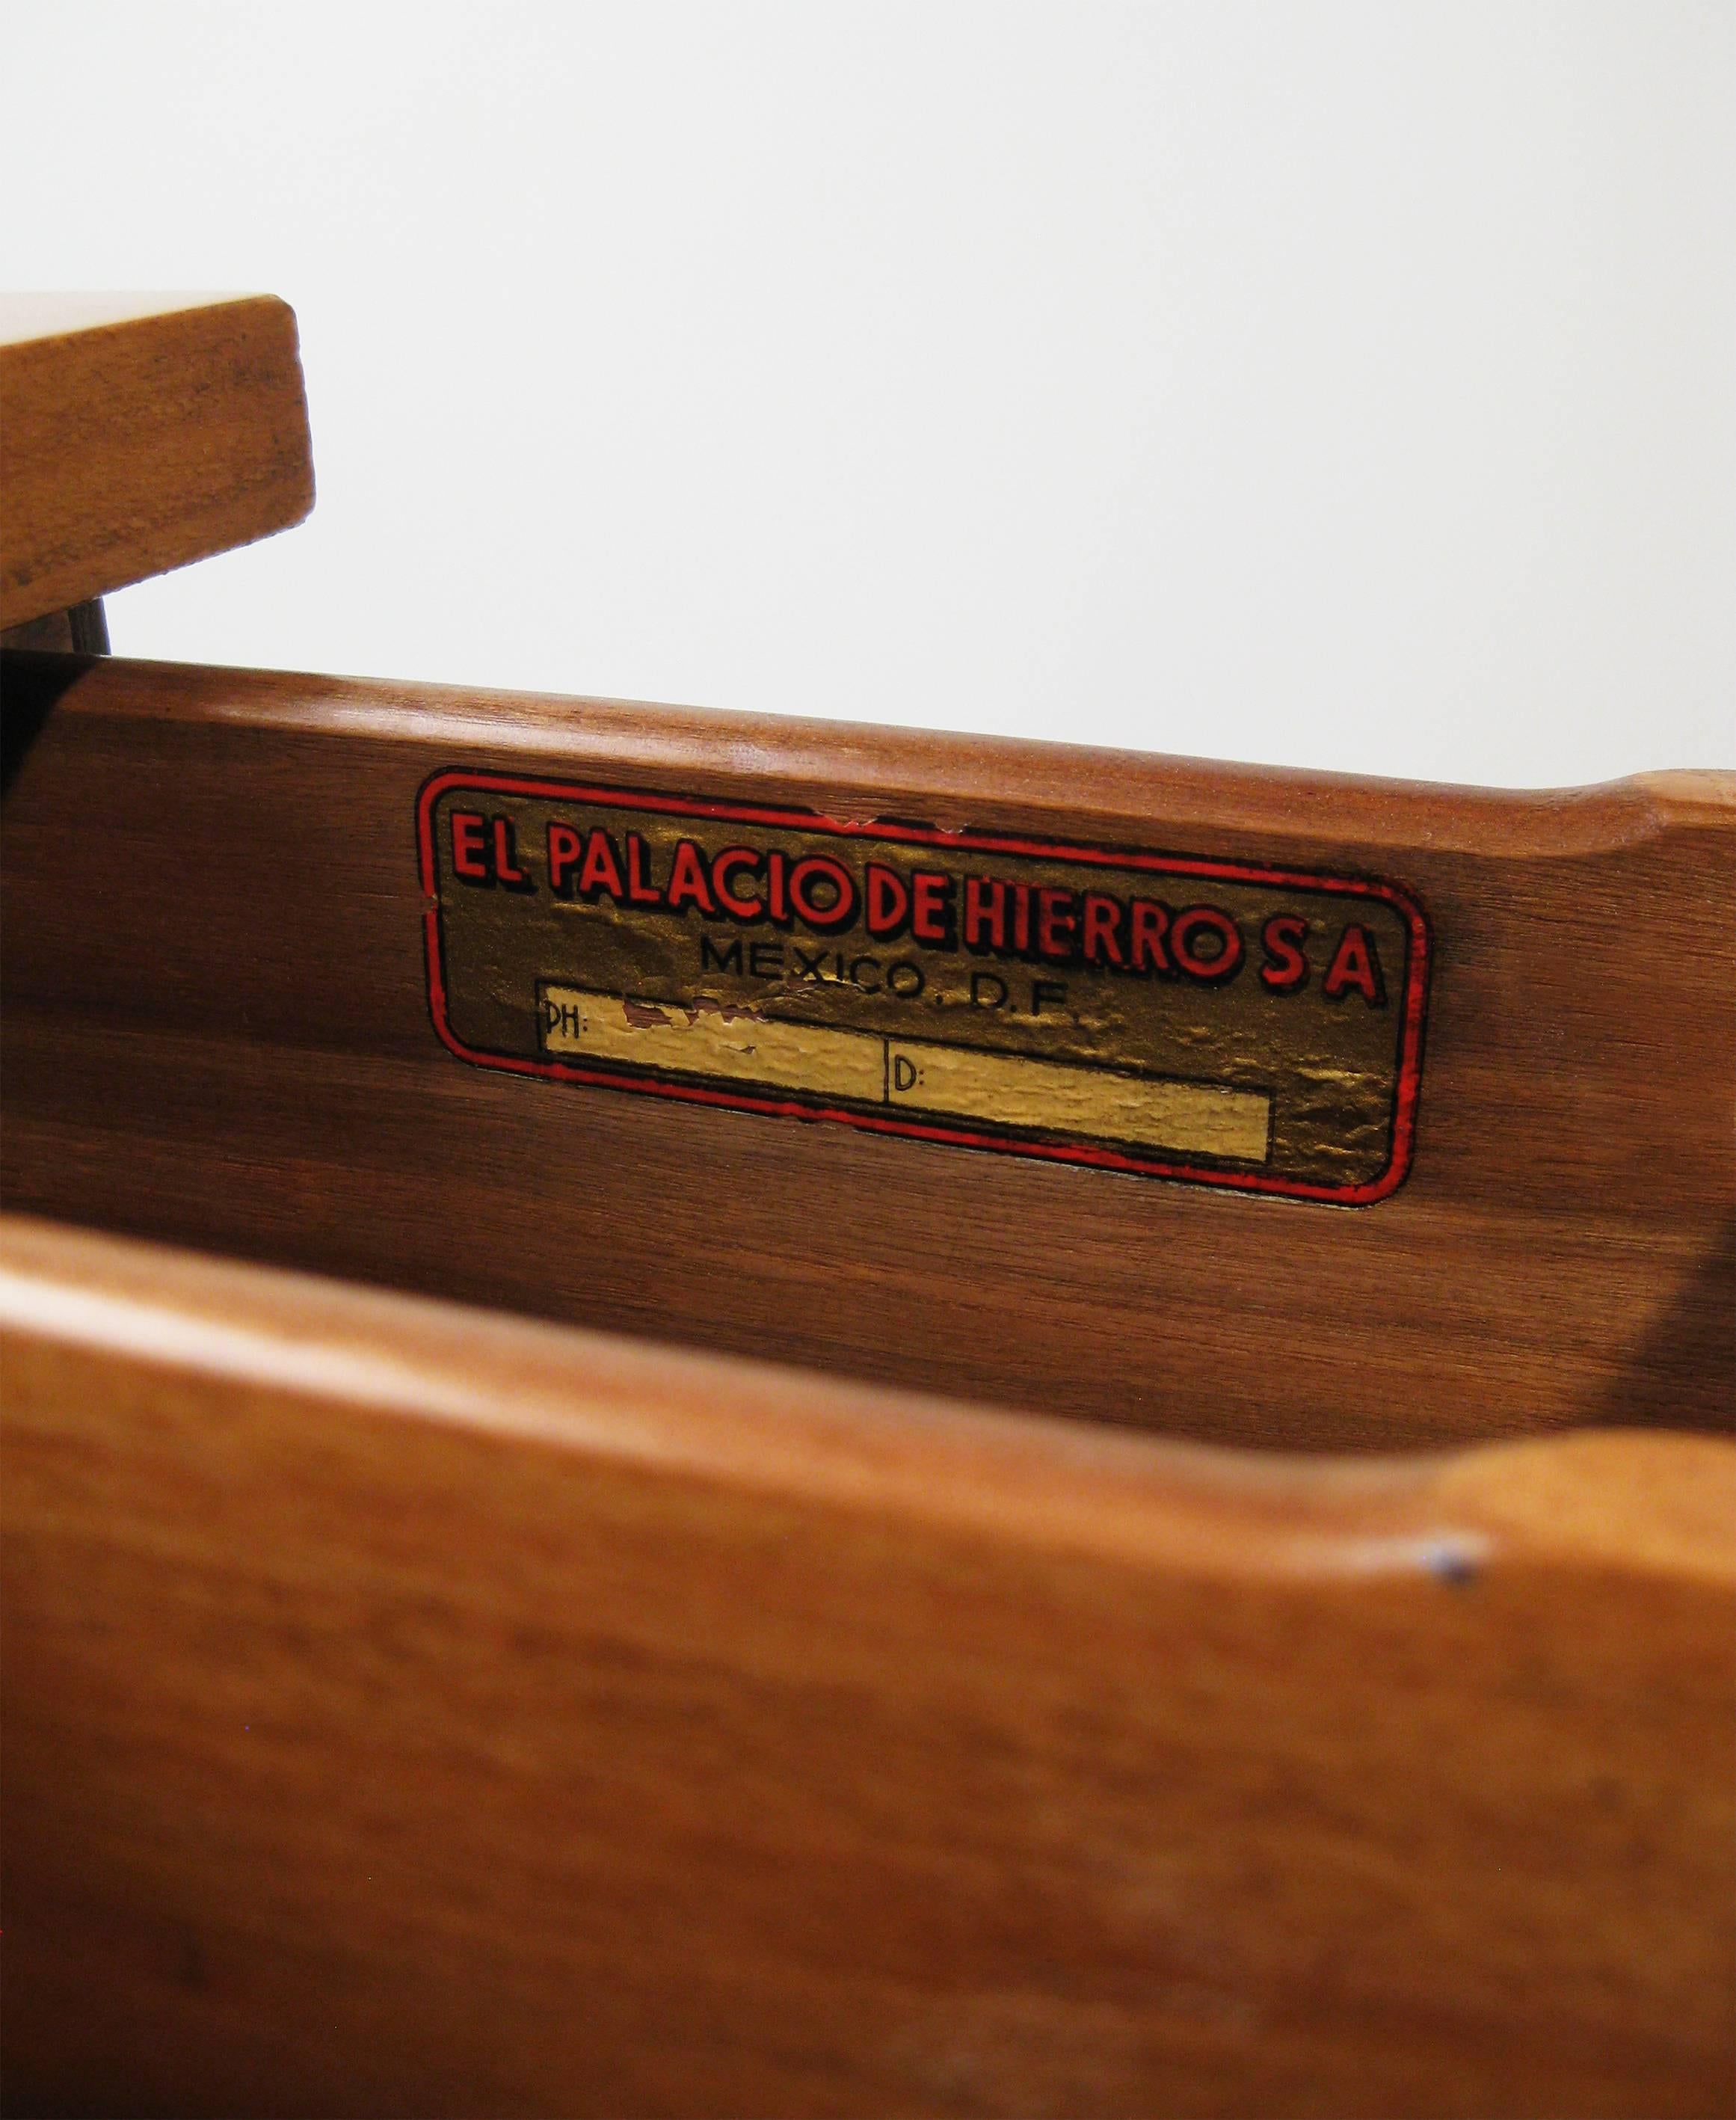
column 954, row 1081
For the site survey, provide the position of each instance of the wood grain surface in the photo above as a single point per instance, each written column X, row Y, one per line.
column 416, row 1711
column 137, row 432
column 216, row 1030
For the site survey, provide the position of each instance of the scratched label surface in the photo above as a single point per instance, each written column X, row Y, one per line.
column 1201, row 1019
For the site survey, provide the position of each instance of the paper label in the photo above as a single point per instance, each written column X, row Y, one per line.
column 1217, row 1022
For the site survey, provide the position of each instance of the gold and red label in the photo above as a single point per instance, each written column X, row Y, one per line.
column 1224, row 1023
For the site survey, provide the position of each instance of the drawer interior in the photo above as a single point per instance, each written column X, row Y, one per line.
column 220, row 1030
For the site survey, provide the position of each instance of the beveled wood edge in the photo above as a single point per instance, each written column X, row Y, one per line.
column 949, row 776
column 1658, row 1504
column 141, row 332
column 28, row 316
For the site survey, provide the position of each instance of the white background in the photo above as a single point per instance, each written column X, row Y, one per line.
column 1327, row 384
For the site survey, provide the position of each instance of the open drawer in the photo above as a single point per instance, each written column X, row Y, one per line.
column 712, row 1415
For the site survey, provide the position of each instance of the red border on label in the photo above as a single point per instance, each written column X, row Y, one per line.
column 1416, row 978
